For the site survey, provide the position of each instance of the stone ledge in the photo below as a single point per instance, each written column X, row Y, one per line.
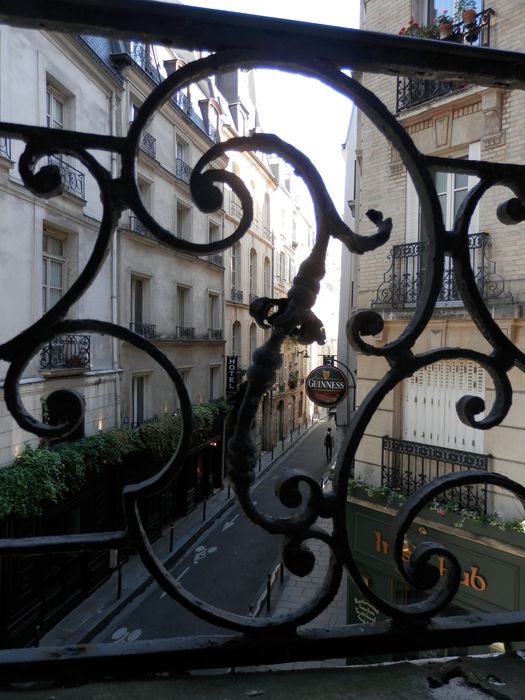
column 447, row 679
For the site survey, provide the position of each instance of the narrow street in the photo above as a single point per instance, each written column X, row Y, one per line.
column 227, row 567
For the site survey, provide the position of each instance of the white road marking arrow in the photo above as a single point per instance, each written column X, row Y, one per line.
column 229, row 523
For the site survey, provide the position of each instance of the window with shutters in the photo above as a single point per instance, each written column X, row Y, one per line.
column 429, row 405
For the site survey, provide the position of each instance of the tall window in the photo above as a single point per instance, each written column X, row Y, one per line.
column 267, row 291
column 55, row 108
column 53, row 263
column 183, row 225
column 214, row 232
column 139, row 390
column 215, row 382
column 253, row 273
column 236, row 339
column 214, row 316
column 236, row 266
column 137, row 301
column 183, row 306
column 452, row 189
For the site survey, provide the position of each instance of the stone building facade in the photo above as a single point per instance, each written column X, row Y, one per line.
column 453, row 120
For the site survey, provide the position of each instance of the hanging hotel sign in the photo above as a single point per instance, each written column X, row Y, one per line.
column 326, row 386
column 231, row 375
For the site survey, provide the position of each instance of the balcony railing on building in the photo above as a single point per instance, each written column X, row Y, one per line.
column 5, row 147
column 408, row 465
column 146, row 330
column 182, row 170
column 266, row 232
column 403, row 281
column 235, row 209
column 148, row 144
column 216, row 259
column 140, row 54
column 413, row 91
column 253, row 296
column 66, row 352
column 237, row 295
column 185, row 332
column 72, row 179
column 214, row 333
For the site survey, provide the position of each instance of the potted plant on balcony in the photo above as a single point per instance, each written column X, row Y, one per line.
column 467, row 10
column 444, row 25
column 421, row 31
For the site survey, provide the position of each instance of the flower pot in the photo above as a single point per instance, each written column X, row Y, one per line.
column 469, row 17
column 445, row 30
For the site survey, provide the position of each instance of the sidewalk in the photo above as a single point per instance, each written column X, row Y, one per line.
column 84, row 622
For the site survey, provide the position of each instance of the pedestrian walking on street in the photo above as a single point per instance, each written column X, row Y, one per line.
column 328, row 443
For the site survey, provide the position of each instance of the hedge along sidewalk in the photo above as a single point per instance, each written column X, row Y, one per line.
column 90, row 618
column 42, row 476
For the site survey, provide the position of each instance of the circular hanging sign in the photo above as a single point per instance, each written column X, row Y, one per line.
column 326, row 386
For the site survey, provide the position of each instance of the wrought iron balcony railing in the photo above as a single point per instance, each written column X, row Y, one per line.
column 183, row 102
column 66, row 352
column 253, row 296
column 403, row 281
column 182, row 170
column 406, row 466
column 5, row 147
column 142, row 58
column 148, row 144
column 216, row 259
column 267, row 233
column 213, row 133
column 185, row 332
column 235, row 209
column 214, row 333
column 414, row 91
column 321, row 53
column 73, row 179
column 237, row 295
column 146, row 330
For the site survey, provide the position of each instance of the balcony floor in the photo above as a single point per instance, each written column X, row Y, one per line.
column 469, row 679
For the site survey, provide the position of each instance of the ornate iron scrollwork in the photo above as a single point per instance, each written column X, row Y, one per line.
column 290, row 317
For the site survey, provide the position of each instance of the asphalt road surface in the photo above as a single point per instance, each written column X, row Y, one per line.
column 227, row 567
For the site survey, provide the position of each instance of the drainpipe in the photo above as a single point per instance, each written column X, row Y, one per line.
column 114, row 266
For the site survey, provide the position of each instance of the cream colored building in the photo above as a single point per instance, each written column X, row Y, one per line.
column 457, row 121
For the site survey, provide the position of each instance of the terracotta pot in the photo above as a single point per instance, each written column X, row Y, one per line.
column 445, row 30
column 469, row 16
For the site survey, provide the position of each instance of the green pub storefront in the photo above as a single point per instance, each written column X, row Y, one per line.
column 492, row 563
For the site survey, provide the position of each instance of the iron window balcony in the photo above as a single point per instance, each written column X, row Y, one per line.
column 266, row 232
column 72, row 179
column 214, row 333
column 182, row 170
column 185, row 332
column 142, row 58
column 237, row 295
column 407, row 465
column 146, row 330
column 413, row 91
column 403, row 281
column 216, row 259
column 148, row 144
column 66, row 352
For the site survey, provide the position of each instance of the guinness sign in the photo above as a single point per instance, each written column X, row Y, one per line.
column 326, row 386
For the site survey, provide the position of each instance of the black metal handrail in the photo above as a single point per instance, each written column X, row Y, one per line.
column 185, row 332
column 413, row 91
column 146, row 330
column 66, row 352
column 235, row 209
column 403, row 281
column 72, row 179
column 406, row 466
column 216, row 259
column 143, row 59
column 182, row 170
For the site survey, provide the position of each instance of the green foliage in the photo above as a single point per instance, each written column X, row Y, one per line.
column 393, row 498
column 161, row 437
column 34, row 479
column 204, row 416
column 45, row 475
